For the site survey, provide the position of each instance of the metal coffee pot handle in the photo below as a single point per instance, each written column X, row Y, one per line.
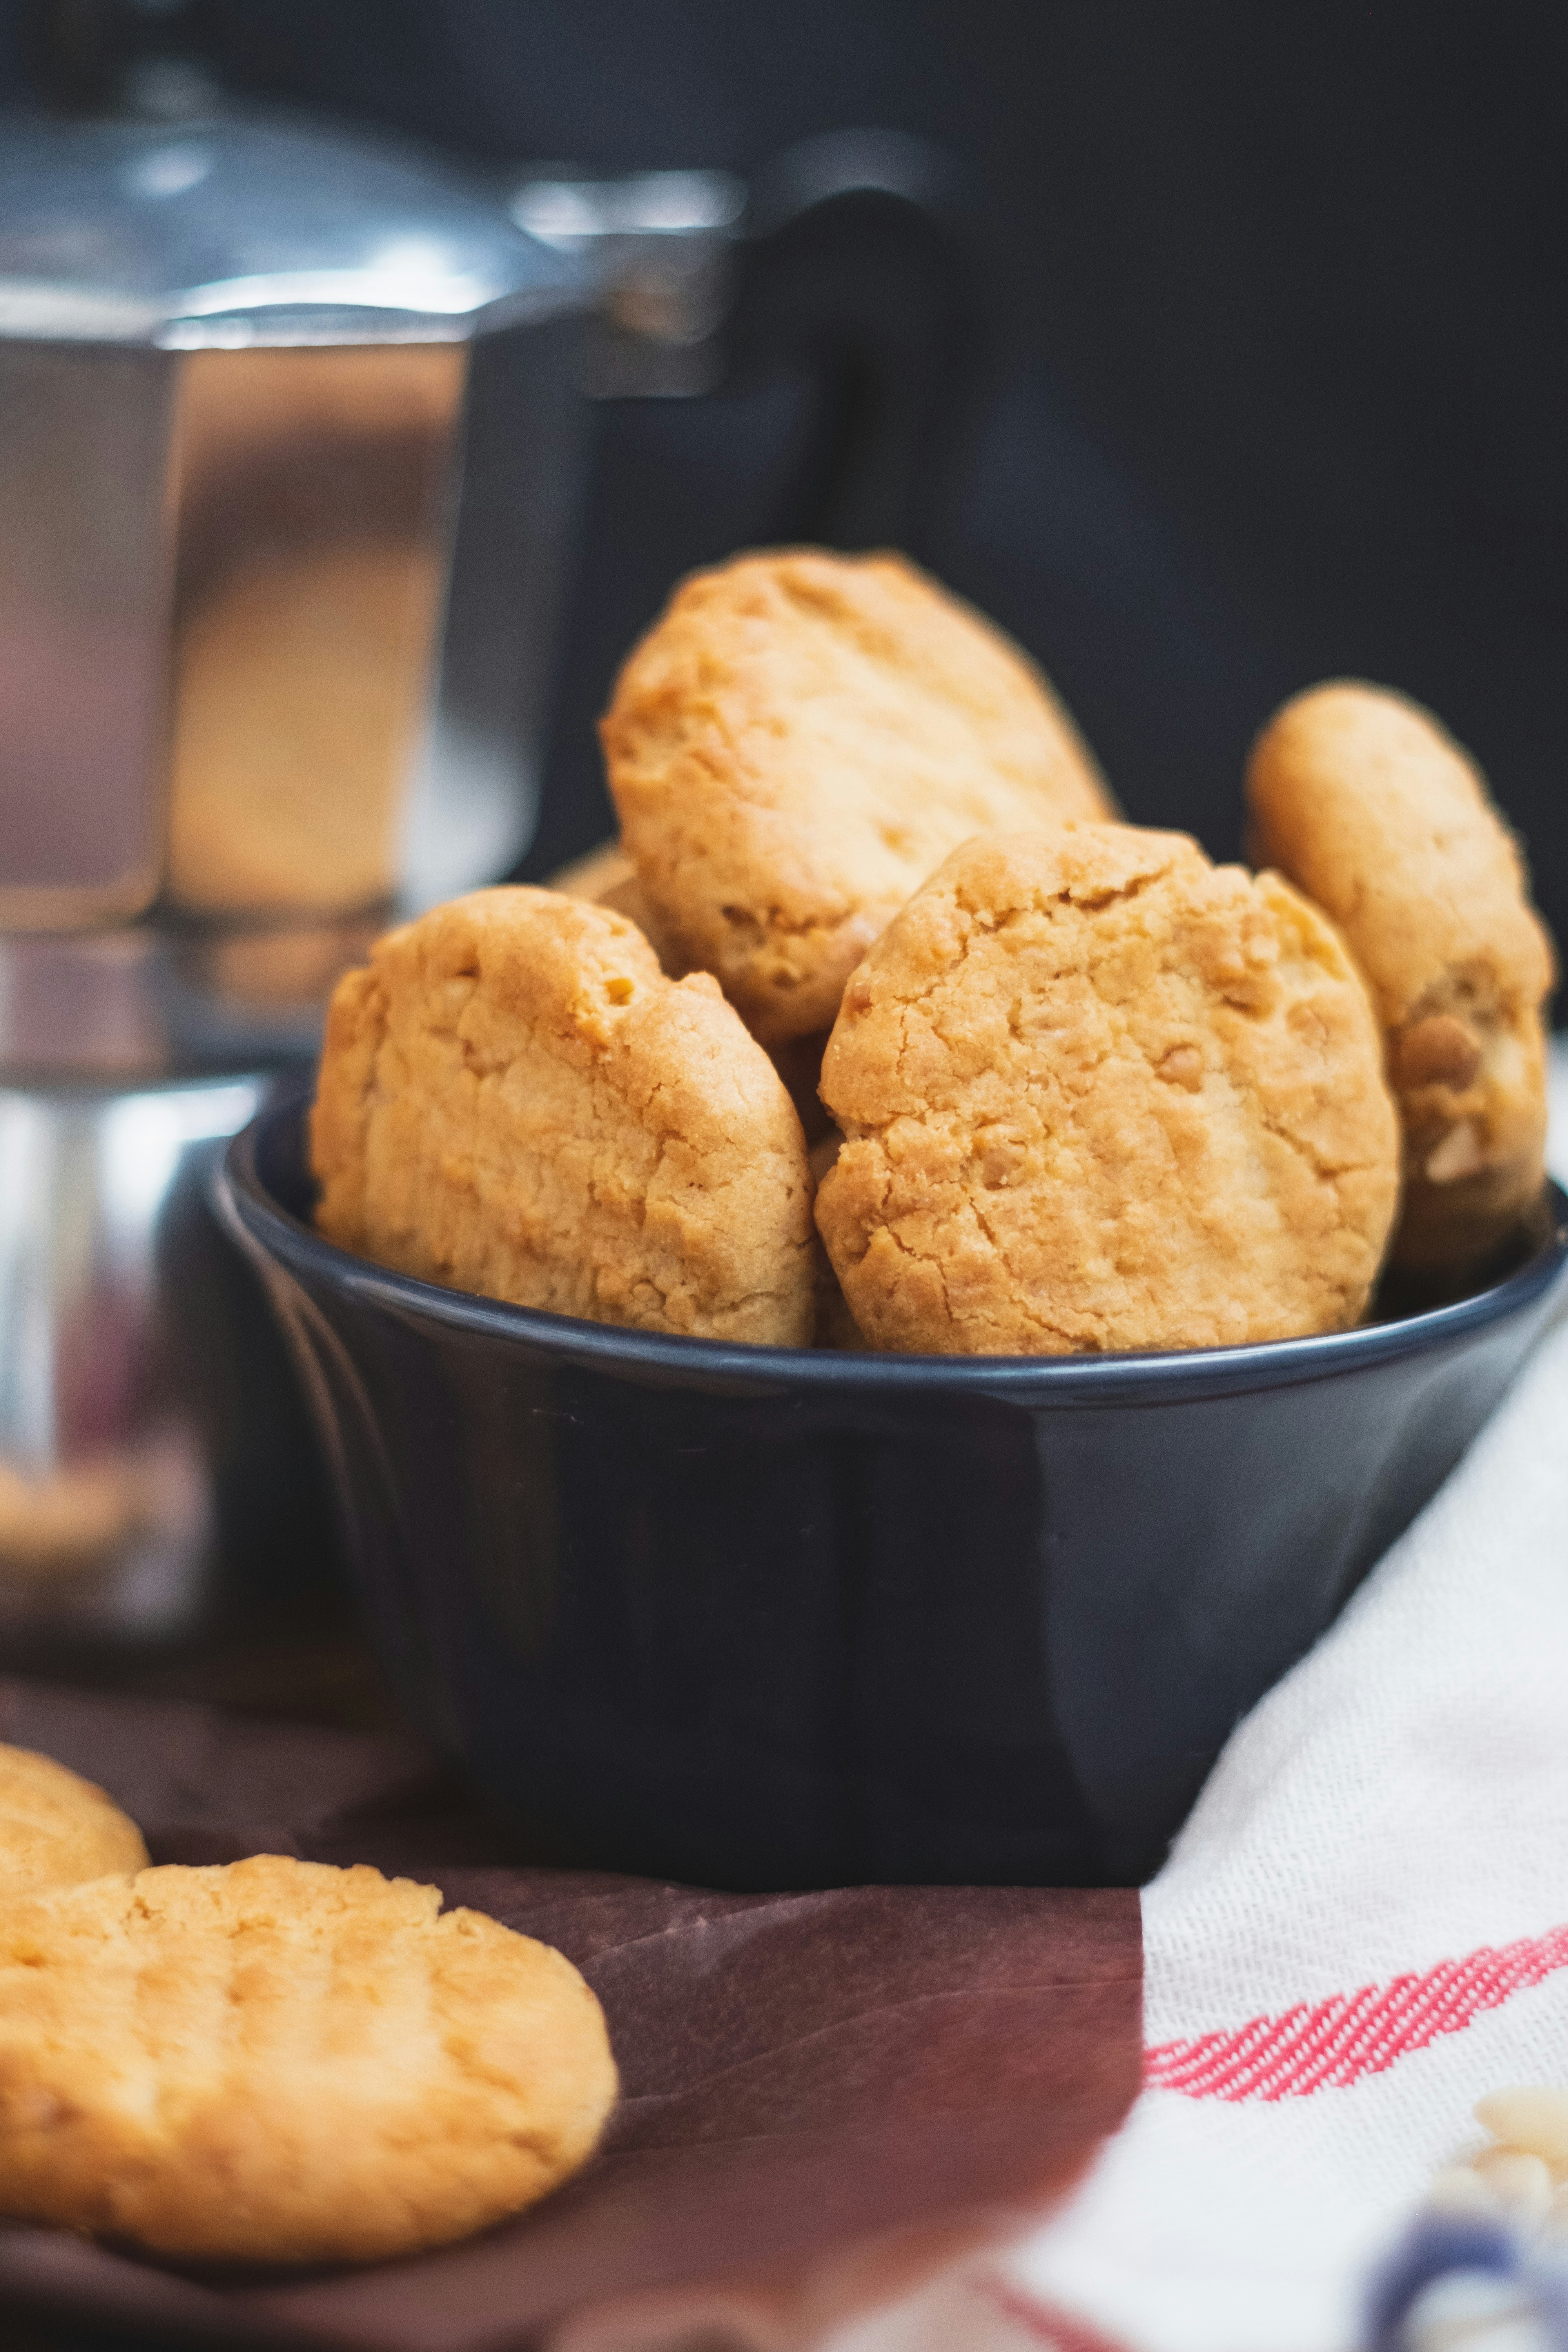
column 845, row 255
column 842, row 268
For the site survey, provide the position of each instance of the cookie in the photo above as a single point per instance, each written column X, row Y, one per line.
column 798, row 743
column 607, row 877
column 514, row 1099
column 1362, row 799
column 56, row 1828
column 606, row 868
column 1098, row 1094
column 274, row 2061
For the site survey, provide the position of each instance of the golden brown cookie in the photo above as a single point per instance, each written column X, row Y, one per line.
column 274, row 2061
column 514, row 1099
column 1368, row 805
column 56, row 1828
column 607, row 877
column 795, row 747
column 1098, row 1094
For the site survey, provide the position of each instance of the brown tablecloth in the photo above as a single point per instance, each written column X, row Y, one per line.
column 824, row 2094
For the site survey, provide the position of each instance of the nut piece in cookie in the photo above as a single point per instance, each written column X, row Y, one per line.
column 56, row 1828
column 274, row 2061
column 1362, row 799
column 514, row 1099
column 1098, row 1094
column 798, row 743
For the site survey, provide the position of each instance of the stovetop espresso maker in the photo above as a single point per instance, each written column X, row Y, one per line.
column 292, row 439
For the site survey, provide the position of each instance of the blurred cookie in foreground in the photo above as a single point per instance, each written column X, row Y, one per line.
column 515, row 1101
column 61, row 1521
column 797, row 745
column 1098, row 1094
column 1362, row 799
column 277, row 2060
column 56, row 1828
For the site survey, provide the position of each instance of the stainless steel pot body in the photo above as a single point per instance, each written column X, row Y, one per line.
column 288, row 445
column 149, row 1437
column 290, row 436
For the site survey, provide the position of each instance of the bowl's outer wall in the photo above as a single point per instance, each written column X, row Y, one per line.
column 750, row 1634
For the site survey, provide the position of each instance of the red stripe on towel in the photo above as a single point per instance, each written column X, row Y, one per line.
column 1054, row 2330
column 1332, row 2043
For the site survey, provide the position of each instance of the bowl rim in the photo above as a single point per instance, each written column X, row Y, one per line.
column 268, row 1230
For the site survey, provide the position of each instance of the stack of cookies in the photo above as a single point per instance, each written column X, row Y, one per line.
column 879, row 1027
column 272, row 2060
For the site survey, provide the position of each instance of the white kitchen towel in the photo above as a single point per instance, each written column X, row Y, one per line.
column 1362, row 1928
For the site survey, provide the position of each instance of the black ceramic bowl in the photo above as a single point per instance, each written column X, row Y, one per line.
column 756, row 1617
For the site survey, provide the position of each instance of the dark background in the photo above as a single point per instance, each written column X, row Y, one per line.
column 1271, row 383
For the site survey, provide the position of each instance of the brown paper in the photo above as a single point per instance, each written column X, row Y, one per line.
column 823, row 2095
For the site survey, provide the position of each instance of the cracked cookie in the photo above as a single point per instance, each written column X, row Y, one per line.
column 56, row 1828
column 607, row 878
column 515, row 1101
column 277, row 2060
column 1362, row 799
column 798, row 744
column 1098, row 1094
